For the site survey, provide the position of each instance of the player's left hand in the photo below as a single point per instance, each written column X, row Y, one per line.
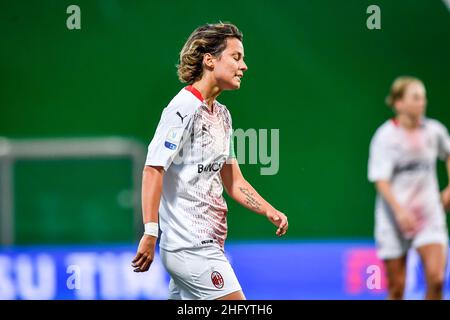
column 445, row 197
column 279, row 219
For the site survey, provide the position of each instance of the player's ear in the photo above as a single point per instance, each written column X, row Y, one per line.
column 397, row 105
column 209, row 61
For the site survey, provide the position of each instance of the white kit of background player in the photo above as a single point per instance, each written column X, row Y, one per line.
column 408, row 161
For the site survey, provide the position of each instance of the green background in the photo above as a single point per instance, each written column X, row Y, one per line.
column 315, row 72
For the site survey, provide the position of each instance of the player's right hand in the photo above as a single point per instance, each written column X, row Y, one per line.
column 407, row 222
column 445, row 197
column 145, row 254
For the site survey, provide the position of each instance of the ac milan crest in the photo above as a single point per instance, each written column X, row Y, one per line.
column 217, row 280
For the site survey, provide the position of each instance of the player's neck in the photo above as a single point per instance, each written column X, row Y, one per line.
column 208, row 90
column 408, row 122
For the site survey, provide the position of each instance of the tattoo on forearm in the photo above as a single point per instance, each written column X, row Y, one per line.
column 250, row 199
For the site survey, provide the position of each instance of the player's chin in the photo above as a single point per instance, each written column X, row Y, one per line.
column 419, row 113
column 234, row 84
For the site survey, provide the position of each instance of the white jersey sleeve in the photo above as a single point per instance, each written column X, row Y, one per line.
column 443, row 141
column 381, row 159
column 171, row 133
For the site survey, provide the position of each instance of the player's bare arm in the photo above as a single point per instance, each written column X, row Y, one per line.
column 239, row 189
column 152, row 182
column 406, row 221
column 445, row 194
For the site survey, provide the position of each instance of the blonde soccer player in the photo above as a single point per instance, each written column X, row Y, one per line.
column 410, row 210
column 190, row 161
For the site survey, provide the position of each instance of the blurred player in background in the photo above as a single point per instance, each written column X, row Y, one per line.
column 409, row 207
column 189, row 162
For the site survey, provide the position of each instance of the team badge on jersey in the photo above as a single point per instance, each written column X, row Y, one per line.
column 217, row 280
column 173, row 137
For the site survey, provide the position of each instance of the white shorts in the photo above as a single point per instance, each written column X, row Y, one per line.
column 391, row 244
column 202, row 273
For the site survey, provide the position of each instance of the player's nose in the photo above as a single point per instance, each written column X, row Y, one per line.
column 243, row 66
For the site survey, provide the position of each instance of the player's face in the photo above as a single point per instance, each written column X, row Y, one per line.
column 229, row 68
column 414, row 100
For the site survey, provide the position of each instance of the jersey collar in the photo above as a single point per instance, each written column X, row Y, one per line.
column 195, row 92
column 395, row 122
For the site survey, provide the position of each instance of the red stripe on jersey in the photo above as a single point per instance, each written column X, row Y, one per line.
column 195, row 92
column 395, row 121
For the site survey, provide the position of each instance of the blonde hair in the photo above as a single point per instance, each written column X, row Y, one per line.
column 398, row 88
column 209, row 38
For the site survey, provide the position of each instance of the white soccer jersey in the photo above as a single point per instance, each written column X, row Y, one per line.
column 192, row 143
column 408, row 160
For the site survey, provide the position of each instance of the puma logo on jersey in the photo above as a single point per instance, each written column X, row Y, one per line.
column 182, row 118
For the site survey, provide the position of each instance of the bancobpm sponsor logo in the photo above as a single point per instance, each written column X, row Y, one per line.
column 211, row 167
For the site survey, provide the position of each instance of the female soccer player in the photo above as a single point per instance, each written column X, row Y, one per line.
column 409, row 207
column 189, row 161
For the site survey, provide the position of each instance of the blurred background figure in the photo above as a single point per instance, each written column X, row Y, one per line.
column 410, row 209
